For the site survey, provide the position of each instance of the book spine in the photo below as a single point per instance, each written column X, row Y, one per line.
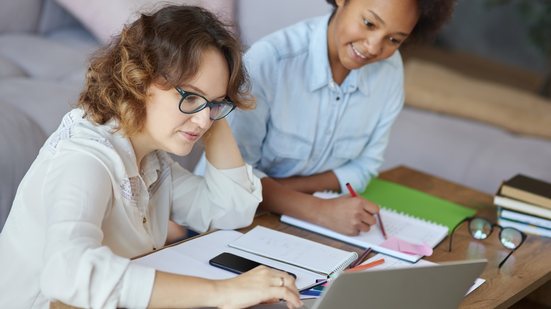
column 524, row 227
column 526, row 196
column 524, row 218
column 522, row 207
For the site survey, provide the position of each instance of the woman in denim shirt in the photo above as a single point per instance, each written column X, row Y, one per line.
column 328, row 90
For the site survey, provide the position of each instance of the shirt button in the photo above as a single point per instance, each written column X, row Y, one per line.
column 144, row 220
column 338, row 98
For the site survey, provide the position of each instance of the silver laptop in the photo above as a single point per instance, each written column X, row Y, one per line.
column 441, row 286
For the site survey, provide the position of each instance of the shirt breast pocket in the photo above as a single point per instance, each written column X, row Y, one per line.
column 349, row 148
column 288, row 146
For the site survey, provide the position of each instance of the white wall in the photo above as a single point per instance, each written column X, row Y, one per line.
column 257, row 18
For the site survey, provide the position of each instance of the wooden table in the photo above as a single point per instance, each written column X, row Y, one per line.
column 526, row 270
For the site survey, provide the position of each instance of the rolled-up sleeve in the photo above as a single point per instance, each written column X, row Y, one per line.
column 223, row 199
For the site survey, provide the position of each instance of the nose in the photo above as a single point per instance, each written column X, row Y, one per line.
column 202, row 118
column 373, row 45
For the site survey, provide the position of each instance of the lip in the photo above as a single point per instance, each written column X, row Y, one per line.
column 358, row 53
column 190, row 135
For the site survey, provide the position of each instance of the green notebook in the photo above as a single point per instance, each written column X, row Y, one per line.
column 416, row 203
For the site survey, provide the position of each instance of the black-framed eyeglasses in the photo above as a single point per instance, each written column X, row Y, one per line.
column 480, row 228
column 191, row 103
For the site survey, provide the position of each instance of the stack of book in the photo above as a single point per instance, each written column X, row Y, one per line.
column 525, row 203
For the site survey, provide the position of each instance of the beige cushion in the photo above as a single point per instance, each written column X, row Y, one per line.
column 436, row 88
column 105, row 18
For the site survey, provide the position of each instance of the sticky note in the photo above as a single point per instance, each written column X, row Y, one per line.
column 397, row 244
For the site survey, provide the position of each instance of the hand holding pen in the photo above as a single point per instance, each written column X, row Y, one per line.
column 345, row 215
column 379, row 220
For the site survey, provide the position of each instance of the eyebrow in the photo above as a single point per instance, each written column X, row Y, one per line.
column 377, row 17
column 201, row 92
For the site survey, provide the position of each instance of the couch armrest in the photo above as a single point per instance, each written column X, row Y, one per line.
column 20, row 141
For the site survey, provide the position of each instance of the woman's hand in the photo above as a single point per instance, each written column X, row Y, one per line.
column 262, row 284
column 347, row 215
column 220, row 146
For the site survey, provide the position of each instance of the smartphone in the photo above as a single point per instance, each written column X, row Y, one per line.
column 237, row 264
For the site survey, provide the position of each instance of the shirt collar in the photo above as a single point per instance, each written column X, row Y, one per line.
column 151, row 168
column 318, row 62
column 123, row 146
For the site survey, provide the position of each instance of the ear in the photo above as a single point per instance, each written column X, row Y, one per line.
column 340, row 3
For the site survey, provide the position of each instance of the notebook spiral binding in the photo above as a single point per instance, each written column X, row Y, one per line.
column 409, row 216
column 345, row 264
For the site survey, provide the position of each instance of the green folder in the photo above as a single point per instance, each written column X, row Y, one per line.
column 416, row 203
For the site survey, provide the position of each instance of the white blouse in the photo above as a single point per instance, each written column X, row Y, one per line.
column 83, row 209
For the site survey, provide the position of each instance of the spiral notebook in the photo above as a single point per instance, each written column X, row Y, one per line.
column 299, row 252
column 397, row 224
column 192, row 257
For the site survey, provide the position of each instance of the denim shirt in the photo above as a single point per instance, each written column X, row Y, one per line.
column 304, row 122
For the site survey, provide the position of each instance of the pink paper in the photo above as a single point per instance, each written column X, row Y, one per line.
column 397, row 244
column 391, row 243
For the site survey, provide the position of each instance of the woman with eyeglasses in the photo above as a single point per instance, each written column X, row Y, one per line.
column 103, row 188
column 328, row 90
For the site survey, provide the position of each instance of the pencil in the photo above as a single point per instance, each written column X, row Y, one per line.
column 381, row 225
column 361, row 258
column 353, row 194
column 367, row 266
column 311, row 286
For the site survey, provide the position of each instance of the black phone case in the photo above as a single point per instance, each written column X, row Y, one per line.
column 233, row 263
column 237, row 264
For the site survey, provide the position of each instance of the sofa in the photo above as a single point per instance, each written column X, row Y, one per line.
column 45, row 45
column 43, row 54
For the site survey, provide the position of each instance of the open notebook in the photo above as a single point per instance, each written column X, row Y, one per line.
column 400, row 225
column 293, row 250
column 299, row 256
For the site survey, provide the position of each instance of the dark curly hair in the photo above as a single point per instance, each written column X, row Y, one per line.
column 164, row 48
column 432, row 15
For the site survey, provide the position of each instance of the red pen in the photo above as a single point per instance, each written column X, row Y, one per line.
column 353, row 194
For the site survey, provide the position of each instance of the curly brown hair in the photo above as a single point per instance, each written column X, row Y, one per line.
column 164, row 48
column 432, row 16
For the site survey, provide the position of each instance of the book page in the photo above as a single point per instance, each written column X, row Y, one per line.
column 294, row 250
column 396, row 225
column 407, row 228
column 192, row 258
